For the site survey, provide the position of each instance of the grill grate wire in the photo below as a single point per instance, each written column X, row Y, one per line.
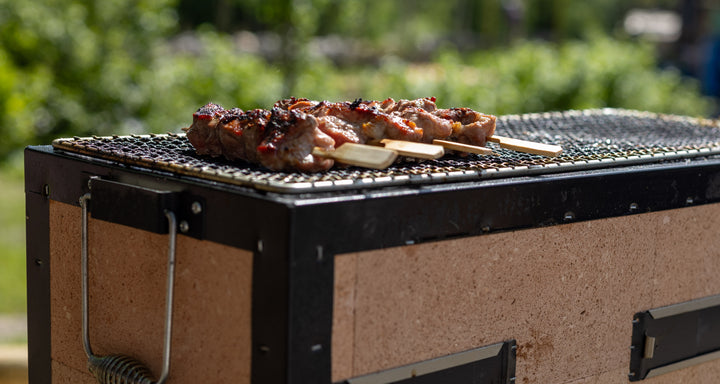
column 590, row 139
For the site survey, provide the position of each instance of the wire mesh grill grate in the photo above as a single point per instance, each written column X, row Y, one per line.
column 590, row 139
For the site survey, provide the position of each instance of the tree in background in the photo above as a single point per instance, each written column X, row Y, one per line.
column 71, row 65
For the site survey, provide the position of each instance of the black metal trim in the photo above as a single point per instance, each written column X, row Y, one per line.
column 395, row 216
column 37, row 211
column 311, row 290
column 270, row 302
column 674, row 337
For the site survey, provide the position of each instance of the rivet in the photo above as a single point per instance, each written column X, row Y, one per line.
column 184, row 226
column 39, row 262
column 196, row 208
column 264, row 349
column 320, row 255
column 689, row 201
column 569, row 216
column 316, row 348
column 46, row 190
column 634, row 207
column 260, row 246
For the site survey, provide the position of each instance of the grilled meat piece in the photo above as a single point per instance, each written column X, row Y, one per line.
column 203, row 133
column 277, row 139
column 469, row 127
column 359, row 122
column 284, row 137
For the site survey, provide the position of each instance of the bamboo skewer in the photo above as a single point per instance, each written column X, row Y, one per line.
column 413, row 149
column 361, row 155
column 526, row 146
column 455, row 146
column 375, row 157
column 505, row 142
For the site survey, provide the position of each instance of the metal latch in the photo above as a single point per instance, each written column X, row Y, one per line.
column 485, row 365
column 674, row 337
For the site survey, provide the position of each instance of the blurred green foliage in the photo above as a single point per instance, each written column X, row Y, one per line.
column 71, row 67
column 528, row 77
column 12, row 237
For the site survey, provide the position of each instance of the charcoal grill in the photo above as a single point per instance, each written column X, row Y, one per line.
column 487, row 269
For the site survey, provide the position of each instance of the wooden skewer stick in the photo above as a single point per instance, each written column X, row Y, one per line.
column 526, row 146
column 361, row 155
column 413, row 149
column 455, row 146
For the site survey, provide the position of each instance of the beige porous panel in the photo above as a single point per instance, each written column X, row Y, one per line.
column 566, row 293
column 127, row 281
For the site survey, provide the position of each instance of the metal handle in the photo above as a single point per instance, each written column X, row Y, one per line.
column 117, row 368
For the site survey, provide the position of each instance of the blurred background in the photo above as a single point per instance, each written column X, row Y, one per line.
column 77, row 68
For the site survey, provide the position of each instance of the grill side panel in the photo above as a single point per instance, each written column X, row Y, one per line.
column 566, row 293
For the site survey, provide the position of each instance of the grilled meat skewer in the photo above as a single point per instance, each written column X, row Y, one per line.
column 284, row 137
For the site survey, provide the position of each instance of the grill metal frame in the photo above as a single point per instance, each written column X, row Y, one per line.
column 592, row 139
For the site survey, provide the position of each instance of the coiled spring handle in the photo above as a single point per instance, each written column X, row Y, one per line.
column 120, row 369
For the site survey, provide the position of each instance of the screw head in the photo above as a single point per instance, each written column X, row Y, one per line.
column 184, row 226
column 196, row 208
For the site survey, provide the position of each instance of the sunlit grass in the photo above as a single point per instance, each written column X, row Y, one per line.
column 12, row 238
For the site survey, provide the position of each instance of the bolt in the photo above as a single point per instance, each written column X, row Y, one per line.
column 316, row 348
column 569, row 216
column 320, row 255
column 689, row 201
column 264, row 349
column 260, row 246
column 196, row 208
column 634, row 207
column 184, row 226
column 46, row 190
column 39, row 262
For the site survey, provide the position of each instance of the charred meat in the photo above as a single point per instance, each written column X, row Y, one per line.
column 283, row 138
